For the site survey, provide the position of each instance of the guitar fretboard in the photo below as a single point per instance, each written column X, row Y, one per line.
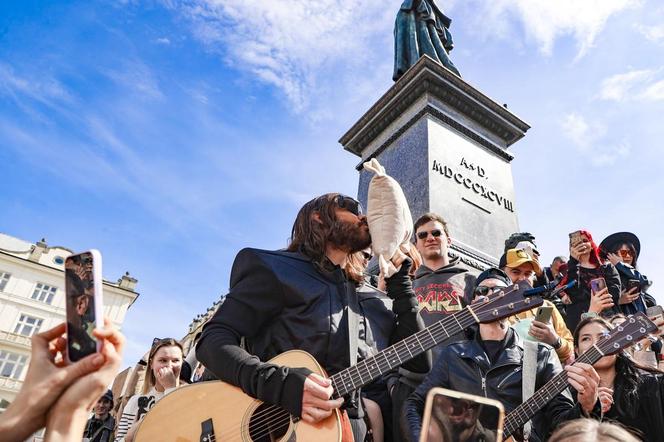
column 369, row 369
column 521, row 414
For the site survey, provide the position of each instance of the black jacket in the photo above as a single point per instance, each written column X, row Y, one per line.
column 648, row 413
column 626, row 273
column 464, row 366
column 580, row 293
column 281, row 301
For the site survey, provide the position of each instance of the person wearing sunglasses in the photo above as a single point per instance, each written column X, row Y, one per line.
column 443, row 286
column 306, row 297
column 519, row 265
column 622, row 249
column 489, row 363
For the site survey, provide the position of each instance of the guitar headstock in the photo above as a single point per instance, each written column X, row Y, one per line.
column 631, row 331
column 505, row 302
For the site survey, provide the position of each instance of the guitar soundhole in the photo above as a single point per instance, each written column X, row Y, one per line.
column 268, row 423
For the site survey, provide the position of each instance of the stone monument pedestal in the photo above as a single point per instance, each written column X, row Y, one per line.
column 446, row 143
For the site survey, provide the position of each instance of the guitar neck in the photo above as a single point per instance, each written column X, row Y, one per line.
column 371, row 368
column 524, row 412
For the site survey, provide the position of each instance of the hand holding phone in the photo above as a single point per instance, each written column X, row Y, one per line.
column 575, row 238
column 83, row 291
column 543, row 314
column 597, row 285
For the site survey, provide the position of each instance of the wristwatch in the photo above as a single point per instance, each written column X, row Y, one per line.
column 558, row 343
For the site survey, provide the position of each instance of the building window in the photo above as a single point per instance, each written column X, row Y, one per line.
column 27, row 325
column 4, row 279
column 44, row 293
column 11, row 364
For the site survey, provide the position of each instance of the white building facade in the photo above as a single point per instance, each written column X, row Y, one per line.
column 32, row 298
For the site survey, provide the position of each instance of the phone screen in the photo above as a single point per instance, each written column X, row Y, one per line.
column 81, row 284
column 597, row 284
column 453, row 416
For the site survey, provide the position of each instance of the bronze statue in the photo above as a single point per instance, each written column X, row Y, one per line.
column 421, row 28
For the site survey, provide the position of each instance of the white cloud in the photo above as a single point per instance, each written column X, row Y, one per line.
column 163, row 41
column 618, row 87
column 591, row 141
column 293, row 45
column 653, row 33
column 544, row 20
column 635, row 85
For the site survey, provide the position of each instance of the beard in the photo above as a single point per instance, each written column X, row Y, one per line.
column 350, row 237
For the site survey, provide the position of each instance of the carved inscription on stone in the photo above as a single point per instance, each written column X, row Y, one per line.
column 473, row 178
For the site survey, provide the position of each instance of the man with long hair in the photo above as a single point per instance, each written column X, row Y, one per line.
column 303, row 298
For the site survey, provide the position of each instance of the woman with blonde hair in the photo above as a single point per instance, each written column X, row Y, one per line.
column 589, row 430
column 162, row 377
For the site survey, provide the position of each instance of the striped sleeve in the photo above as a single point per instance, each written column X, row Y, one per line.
column 127, row 419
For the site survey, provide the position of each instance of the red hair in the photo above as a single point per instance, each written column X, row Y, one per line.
column 594, row 255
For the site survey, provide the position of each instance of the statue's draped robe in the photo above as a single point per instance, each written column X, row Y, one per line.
column 421, row 28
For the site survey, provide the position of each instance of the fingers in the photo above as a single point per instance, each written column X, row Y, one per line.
column 41, row 341
column 315, row 410
column 83, row 367
column 318, row 386
column 315, row 415
column 582, row 376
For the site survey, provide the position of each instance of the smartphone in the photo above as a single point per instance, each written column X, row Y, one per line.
column 83, row 303
column 575, row 238
column 655, row 310
column 449, row 413
column 597, row 285
column 633, row 283
column 543, row 313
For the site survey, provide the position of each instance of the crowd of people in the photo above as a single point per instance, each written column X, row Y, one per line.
column 319, row 295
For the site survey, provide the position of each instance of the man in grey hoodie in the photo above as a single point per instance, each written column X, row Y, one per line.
column 443, row 286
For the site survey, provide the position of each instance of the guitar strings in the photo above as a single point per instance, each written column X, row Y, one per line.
column 597, row 351
column 265, row 418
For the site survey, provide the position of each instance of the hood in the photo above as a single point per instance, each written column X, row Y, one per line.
column 451, row 268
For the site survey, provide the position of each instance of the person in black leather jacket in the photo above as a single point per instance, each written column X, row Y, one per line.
column 299, row 299
column 490, row 364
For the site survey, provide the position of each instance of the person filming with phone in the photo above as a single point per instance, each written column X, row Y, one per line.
column 544, row 323
column 490, row 364
column 597, row 283
column 622, row 249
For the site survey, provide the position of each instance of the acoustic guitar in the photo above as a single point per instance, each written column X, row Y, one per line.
column 635, row 328
column 217, row 411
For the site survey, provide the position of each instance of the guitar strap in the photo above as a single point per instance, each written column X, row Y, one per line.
column 528, row 376
column 353, row 311
column 353, row 321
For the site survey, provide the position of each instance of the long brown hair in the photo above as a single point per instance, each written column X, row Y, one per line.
column 150, row 379
column 310, row 237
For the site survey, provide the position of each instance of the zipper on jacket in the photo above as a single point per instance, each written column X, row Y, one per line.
column 500, row 384
column 483, row 381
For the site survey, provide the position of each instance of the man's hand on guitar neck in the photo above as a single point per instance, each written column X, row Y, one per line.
column 316, row 402
column 585, row 381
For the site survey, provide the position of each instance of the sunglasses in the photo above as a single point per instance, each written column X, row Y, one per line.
column 348, row 203
column 625, row 253
column 435, row 233
column 367, row 255
column 483, row 291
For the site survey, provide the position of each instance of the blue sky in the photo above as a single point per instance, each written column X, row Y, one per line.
column 170, row 134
